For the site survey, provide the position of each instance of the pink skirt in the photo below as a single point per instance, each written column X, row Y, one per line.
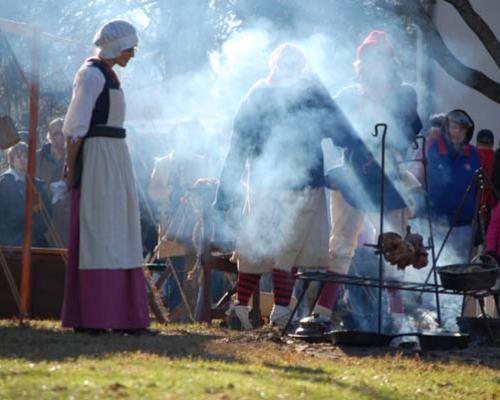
column 101, row 298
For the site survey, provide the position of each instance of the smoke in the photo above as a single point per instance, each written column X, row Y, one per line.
column 210, row 90
column 177, row 77
column 213, row 93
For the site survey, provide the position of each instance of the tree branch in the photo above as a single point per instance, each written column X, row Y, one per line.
column 438, row 51
column 477, row 24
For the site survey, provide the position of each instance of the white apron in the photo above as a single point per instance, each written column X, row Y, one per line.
column 110, row 234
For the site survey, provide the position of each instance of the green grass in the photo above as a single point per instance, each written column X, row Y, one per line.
column 41, row 361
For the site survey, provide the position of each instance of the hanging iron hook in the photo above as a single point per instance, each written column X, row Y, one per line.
column 420, row 137
column 378, row 127
column 381, row 128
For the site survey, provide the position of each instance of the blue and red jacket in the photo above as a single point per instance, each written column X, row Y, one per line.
column 450, row 172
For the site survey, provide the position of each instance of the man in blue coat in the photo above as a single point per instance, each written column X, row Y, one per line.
column 452, row 163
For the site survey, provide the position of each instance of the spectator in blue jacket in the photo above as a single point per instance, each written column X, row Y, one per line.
column 452, row 163
column 12, row 201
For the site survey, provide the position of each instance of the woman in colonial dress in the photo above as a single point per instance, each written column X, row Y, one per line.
column 105, row 285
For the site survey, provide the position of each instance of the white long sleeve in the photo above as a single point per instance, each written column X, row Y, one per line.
column 88, row 85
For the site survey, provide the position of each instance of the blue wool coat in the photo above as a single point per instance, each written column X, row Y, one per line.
column 278, row 131
column 12, row 198
column 450, row 173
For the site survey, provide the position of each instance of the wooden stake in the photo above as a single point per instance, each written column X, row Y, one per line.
column 28, row 210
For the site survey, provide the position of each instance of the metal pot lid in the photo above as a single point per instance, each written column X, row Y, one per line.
column 305, row 330
column 315, row 320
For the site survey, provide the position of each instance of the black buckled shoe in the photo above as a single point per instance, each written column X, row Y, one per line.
column 90, row 331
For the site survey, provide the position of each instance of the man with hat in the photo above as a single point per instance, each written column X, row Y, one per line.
column 277, row 134
column 380, row 96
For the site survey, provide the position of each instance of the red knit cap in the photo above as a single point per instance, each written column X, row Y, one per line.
column 377, row 41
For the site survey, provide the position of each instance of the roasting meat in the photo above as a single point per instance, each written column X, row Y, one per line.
column 404, row 252
column 421, row 258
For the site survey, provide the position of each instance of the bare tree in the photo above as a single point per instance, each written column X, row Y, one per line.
column 416, row 12
column 180, row 36
column 410, row 12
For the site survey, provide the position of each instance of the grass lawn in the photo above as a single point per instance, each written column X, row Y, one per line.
column 42, row 361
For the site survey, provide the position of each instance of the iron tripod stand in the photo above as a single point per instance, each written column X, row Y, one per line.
column 328, row 277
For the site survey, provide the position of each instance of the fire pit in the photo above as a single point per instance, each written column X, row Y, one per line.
column 429, row 340
column 359, row 338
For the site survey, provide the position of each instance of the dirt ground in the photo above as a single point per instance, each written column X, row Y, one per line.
column 473, row 355
column 48, row 339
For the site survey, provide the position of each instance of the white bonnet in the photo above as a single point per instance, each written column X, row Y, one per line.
column 114, row 37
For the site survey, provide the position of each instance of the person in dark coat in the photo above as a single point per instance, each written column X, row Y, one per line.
column 452, row 163
column 50, row 157
column 12, row 201
column 50, row 168
column 277, row 134
column 495, row 175
column 484, row 143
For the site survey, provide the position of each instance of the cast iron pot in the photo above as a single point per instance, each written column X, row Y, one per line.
column 443, row 340
column 472, row 276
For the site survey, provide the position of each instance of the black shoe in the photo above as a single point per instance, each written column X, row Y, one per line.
column 90, row 331
column 136, row 332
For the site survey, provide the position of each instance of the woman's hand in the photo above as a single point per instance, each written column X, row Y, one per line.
column 68, row 175
column 72, row 150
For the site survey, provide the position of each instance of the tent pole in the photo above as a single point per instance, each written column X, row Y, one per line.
column 28, row 210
